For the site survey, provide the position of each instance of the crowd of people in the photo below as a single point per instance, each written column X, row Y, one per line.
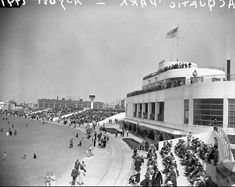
column 11, row 130
column 166, row 68
column 188, row 152
column 50, row 179
column 191, row 153
column 91, row 115
column 52, row 113
column 79, row 171
column 159, row 86
column 194, row 170
column 162, row 85
column 153, row 176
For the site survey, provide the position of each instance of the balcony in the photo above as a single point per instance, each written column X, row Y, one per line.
column 152, row 116
column 140, row 114
column 145, row 115
column 160, row 117
column 172, row 84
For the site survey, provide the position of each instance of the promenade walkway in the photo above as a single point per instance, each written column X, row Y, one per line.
column 109, row 166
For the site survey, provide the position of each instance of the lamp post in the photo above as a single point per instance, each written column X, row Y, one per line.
column 92, row 97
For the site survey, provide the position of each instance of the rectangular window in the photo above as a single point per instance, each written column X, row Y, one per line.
column 231, row 113
column 186, row 111
column 160, row 115
column 205, row 111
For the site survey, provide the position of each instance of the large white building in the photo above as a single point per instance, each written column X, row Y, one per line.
column 182, row 97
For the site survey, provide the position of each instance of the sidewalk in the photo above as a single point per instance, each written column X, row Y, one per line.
column 109, row 166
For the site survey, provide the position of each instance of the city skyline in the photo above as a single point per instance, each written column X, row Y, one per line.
column 103, row 50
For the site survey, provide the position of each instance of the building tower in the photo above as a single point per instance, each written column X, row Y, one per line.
column 92, row 97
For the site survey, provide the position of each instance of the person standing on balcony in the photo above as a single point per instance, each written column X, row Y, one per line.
column 215, row 125
column 215, row 143
column 189, row 138
column 195, row 73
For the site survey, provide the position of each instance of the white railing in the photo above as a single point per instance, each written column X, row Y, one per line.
column 226, row 150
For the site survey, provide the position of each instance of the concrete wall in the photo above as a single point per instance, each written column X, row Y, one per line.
column 174, row 99
column 184, row 72
column 174, row 110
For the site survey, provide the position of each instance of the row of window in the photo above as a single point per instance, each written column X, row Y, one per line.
column 231, row 113
column 205, row 111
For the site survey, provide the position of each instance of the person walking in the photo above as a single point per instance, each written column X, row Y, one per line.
column 47, row 179
column 83, row 166
column 81, row 175
column 74, row 175
column 71, row 143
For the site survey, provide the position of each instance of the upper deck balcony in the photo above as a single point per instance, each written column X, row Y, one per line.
column 171, row 83
column 166, row 66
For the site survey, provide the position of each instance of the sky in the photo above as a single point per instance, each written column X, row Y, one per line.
column 106, row 50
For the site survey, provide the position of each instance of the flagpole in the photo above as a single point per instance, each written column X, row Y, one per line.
column 178, row 33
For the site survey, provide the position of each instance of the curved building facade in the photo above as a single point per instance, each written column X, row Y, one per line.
column 181, row 97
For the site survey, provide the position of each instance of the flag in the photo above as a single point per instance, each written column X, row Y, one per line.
column 172, row 33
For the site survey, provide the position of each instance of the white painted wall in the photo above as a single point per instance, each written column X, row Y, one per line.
column 185, row 72
column 174, row 98
column 174, row 111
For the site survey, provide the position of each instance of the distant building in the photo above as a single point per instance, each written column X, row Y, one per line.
column 63, row 103
column 32, row 105
column 3, row 106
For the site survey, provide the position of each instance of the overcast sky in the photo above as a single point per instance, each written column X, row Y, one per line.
column 47, row 52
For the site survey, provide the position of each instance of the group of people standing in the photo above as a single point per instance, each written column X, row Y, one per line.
column 12, row 130
column 79, row 171
column 153, row 176
column 50, row 179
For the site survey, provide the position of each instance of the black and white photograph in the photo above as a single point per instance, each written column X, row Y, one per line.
column 117, row 93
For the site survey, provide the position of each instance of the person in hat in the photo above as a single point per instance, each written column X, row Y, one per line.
column 225, row 173
column 157, row 179
column 74, row 175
